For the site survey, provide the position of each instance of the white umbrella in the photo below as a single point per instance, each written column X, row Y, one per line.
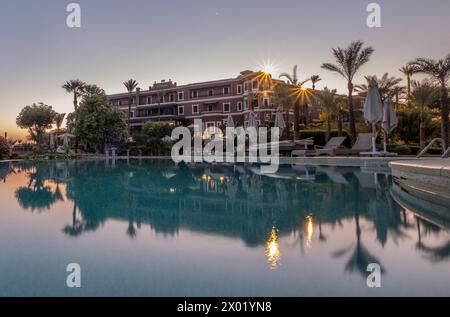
column 279, row 120
column 252, row 120
column 230, row 122
column 390, row 121
column 373, row 109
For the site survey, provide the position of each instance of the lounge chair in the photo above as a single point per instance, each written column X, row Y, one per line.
column 332, row 143
column 363, row 144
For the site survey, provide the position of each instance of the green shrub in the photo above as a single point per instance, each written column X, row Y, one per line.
column 401, row 149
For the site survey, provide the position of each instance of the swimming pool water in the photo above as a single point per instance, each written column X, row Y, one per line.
column 153, row 228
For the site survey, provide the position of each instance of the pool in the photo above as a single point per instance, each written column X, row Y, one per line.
column 153, row 228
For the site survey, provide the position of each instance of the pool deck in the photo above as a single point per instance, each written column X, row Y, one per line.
column 428, row 179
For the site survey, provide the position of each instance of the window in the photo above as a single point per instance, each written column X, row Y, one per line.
column 161, row 99
column 181, row 95
column 194, row 94
column 255, row 85
column 239, row 89
column 149, row 100
column 195, row 109
column 131, row 114
column 266, row 103
column 218, row 123
column 210, row 108
column 226, row 90
column 245, row 104
column 210, row 93
column 133, row 101
column 246, row 86
column 226, row 107
column 181, row 110
column 239, row 106
column 171, row 98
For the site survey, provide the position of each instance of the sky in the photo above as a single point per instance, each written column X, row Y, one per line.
column 198, row 40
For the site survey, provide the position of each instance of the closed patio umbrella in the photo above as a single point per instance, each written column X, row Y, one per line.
column 373, row 109
column 230, row 121
column 279, row 121
column 252, row 120
column 390, row 120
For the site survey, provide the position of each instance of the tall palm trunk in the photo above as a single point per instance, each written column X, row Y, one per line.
column 421, row 129
column 288, row 125
column 339, row 123
column 351, row 114
column 328, row 132
column 129, row 115
column 408, row 81
column 75, row 101
column 296, row 120
column 444, row 113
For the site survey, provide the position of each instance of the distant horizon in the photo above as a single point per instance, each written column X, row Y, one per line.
column 193, row 41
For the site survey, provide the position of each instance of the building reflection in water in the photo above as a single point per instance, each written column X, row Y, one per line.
column 273, row 249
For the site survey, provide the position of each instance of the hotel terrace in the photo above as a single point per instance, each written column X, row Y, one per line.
column 211, row 101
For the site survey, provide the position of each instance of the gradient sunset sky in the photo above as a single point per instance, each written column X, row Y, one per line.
column 198, row 40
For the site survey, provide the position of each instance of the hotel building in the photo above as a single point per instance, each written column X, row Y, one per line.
column 211, row 101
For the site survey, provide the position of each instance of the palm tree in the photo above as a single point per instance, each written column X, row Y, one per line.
column 297, row 87
column 161, row 94
column 385, row 84
column 398, row 91
column 348, row 62
column 328, row 100
column 283, row 97
column 314, row 80
column 76, row 87
column 439, row 71
column 130, row 85
column 423, row 95
column 90, row 90
column 59, row 118
column 408, row 71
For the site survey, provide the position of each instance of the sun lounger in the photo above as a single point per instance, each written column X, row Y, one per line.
column 333, row 143
column 363, row 144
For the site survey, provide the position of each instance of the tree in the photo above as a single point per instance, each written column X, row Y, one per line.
column 36, row 118
column 348, row 62
column 423, row 95
column 130, row 85
column 385, row 84
column 408, row 71
column 59, row 118
column 329, row 104
column 296, row 87
column 99, row 124
column 4, row 147
column 75, row 87
column 283, row 97
column 314, row 80
column 439, row 71
column 90, row 90
column 398, row 92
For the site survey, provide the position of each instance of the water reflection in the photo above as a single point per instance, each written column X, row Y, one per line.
column 233, row 201
column 273, row 249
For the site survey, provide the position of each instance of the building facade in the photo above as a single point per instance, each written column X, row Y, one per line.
column 211, row 101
